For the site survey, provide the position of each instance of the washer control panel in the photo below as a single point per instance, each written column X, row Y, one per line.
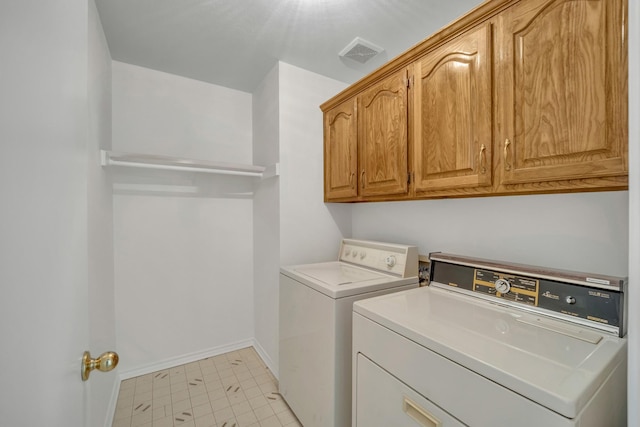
column 401, row 260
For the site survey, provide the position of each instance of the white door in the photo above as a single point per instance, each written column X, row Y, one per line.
column 43, row 212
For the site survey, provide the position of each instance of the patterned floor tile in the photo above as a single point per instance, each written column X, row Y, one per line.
column 235, row 389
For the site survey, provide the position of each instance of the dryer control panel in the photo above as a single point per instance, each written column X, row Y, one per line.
column 595, row 300
column 508, row 286
column 401, row 260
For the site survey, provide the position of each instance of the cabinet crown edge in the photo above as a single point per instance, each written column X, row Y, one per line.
column 475, row 16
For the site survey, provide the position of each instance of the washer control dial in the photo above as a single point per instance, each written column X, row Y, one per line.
column 503, row 286
column 390, row 260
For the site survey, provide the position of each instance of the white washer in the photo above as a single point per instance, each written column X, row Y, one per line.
column 316, row 303
column 491, row 344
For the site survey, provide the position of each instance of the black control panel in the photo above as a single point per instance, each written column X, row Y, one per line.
column 591, row 303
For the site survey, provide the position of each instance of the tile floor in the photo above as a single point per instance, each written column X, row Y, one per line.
column 234, row 389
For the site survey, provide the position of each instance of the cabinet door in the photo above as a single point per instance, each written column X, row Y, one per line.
column 382, row 137
column 452, row 114
column 563, row 90
column 340, row 152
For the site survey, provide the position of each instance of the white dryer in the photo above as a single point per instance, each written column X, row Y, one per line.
column 316, row 303
column 491, row 344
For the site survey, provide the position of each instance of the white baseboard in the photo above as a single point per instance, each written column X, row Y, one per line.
column 186, row 358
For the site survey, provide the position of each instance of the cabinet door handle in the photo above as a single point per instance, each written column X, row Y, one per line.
column 351, row 179
column 362, row 178
column 483, row 159
column 507, row 165
column 421, row 415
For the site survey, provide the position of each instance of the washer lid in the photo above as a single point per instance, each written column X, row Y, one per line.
column 337, row 275
column 554, row 363
column 337, row 279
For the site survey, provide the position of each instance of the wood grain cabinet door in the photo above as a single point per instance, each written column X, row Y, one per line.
column 341, row 152
column 453, row 114
column 562, row 90
column 382, row 137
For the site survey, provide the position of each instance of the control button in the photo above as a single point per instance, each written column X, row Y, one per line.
column 390, row 261
column 503, row 286
column 363, row 254
column 570, row 300
column 354, row 253
column 347, row 250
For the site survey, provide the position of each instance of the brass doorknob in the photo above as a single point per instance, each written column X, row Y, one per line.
column 106, row 362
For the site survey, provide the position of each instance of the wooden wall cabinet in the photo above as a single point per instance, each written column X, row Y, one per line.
column 341, row 152
column 562, row 92
column 452, row 114
column 382, row 137
column 516, row 97
column 366, row 143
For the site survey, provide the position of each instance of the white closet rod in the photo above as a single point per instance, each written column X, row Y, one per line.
column 110, row 158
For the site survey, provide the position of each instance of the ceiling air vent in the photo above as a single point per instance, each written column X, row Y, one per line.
column 360, row 50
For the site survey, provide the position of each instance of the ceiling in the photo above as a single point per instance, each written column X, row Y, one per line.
column 235, row 43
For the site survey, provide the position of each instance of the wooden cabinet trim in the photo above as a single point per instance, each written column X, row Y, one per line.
column 473, row 18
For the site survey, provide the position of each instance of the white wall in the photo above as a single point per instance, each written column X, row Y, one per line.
column 578, row 231
column 266, row 215
column 289, row 213
column 183, row 242
column 310, row 229
column 634, row 215
column 102, row 334
column 160, row 113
